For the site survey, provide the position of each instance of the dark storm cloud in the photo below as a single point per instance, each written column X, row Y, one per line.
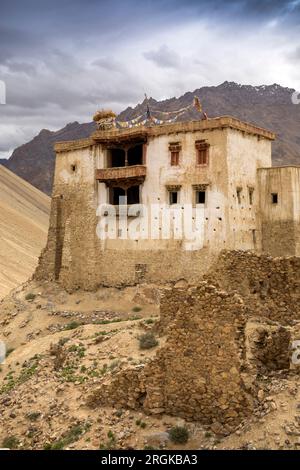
column 252, row 8
column 16, row 42
column 61, row 59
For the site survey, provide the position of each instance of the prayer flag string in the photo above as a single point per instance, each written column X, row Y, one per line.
column 142, row 119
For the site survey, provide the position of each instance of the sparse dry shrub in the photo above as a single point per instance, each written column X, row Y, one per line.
column 179, row 434
column 148, row 341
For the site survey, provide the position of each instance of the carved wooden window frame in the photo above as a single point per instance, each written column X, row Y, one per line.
column 174, row 149
column 202, row 153
column 200, row 187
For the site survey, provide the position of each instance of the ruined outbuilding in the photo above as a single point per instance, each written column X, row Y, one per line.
column 218, row 340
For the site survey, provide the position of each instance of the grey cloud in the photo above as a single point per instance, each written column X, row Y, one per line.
column 163, row 57
column 16, row 40
column 108, row 63
column 21, row 67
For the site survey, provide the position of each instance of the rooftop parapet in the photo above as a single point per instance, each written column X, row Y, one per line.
column 144, row 132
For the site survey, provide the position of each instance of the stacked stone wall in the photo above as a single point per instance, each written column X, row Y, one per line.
column 197, row 374
column 270, row 287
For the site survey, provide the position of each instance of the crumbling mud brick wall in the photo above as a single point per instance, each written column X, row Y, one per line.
column 50, row 258
column 270, row 287
column 280, row 223
column 197, row 374
column 67, row 244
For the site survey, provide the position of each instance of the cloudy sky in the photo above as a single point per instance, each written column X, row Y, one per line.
column 63, row 59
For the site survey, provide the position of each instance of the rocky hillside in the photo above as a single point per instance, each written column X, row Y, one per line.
column 267, row 106
column 24, row 214
column 67, row 351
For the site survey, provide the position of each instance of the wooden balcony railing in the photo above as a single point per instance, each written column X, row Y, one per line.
column 127, row 175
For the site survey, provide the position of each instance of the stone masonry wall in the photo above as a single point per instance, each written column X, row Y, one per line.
column 197, row 374
column 50, row 258
column 270, row 287
column 267, row 345
column 69, row 255
column 280, row 237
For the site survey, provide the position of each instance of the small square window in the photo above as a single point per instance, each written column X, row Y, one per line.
column 200, row 197
column 274, row 198
column 173, row 197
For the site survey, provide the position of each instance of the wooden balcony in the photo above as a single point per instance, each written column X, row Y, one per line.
column 123, row 177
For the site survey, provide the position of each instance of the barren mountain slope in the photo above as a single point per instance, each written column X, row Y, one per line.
column 24, row 214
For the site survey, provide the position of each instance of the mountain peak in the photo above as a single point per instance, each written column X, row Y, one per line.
column 227, row 84
column 44, row 132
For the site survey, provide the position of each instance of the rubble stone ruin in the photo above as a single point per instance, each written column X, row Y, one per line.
column 218, row 340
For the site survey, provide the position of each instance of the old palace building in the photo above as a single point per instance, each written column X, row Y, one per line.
column 221, row 166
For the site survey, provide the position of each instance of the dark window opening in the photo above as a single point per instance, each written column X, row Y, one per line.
column 200, row 197
column 117, row 196
column 251, row 191
column 73, row 168
column 239, row 195
column 135, row 155
column 120, row 196
column 274, row 198
column 173, row 197
column 133, row 195
column 116, row 158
